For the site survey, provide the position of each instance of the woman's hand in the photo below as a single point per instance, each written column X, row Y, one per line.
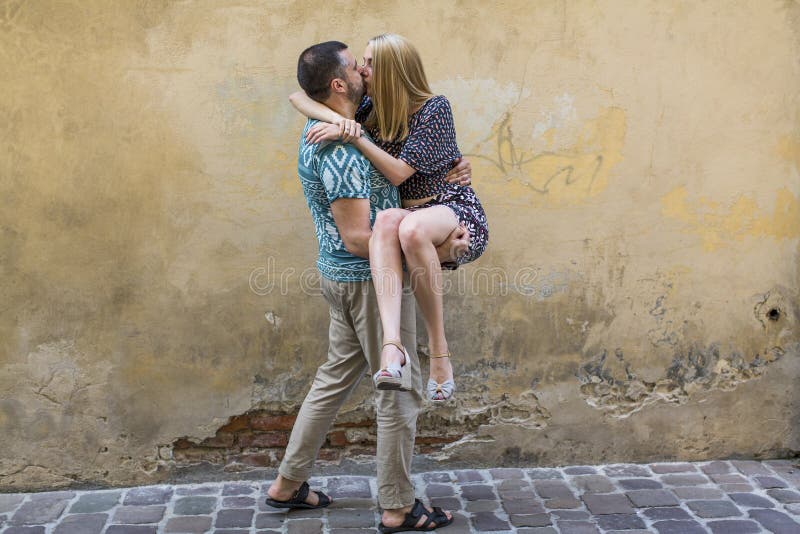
column 455, row 246
column 461, row 173
column 346, row 130
column 349, row 129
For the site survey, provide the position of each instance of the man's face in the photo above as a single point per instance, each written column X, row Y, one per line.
column 355, row 83
column 366, row 69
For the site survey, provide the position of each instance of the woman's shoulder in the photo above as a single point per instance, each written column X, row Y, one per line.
column 436, row 105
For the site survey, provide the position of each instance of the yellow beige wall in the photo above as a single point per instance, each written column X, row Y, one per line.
column 639, row 164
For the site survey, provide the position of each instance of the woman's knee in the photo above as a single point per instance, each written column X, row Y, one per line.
column 388, row 221
column 412, row 233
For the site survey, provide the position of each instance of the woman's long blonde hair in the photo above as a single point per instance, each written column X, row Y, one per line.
column 399, row 85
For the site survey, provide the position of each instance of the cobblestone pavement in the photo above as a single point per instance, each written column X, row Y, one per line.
column 728, row 497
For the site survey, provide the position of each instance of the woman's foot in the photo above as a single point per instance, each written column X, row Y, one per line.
column 393, row 358
column 441, row 384
column 394, row 519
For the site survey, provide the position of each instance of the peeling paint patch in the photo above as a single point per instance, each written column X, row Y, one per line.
column 609, row 383
column 718, row 224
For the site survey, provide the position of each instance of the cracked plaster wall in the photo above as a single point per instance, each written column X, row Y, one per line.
column 639, row 164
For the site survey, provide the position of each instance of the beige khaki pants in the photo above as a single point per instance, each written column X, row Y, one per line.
column 355, row 347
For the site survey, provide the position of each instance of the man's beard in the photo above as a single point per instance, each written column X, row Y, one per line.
column 355, row 93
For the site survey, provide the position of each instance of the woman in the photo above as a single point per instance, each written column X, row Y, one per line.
column 414, row 147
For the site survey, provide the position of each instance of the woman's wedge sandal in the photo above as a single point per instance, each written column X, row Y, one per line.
column 391, row 376
column 440, row 392
column 433, row 520
column 298, row 500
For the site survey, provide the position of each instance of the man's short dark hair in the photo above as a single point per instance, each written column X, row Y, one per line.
column 318, row 65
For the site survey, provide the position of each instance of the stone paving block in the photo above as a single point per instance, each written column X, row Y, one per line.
column 713, row 509
column 694, row 493
column 195, row 505
column 627, row 470
column 608, row 503
column 544, row 474
column 512, row 484
column 777, row 522
column 271, row 519
column 716, row 468
column 447, row 503
column 734, row 526
column 729, row 478
column 634, row 531
column 52, row 496
column 505, row 473
column 488, row 521
column 366, row 504
column 91, row 503
column 679, row 527
column 523, row 507
column 770, row 482
column 148, row 495
column 81, row 524
column 553, row 489
column 533, row 520
column 351, row 519
column 231, row 531
column 577, row 527
column 130, row 529
column 10, row 501
column 355, row 487
column 136, row 515
column 439, row 490
column 476, row 492
column 684, row 480
column 570, row 515
column 234, row 518
column 24, row 530
column 305, row 514
column 736, row 488
column 751, row 467
column 349, row 531
column 189, row 524
column 469, row 475
column 197, row 490
column 580, row 470
column 663, row 469
column 639, row 483
column 652, row 498
column 517, row 495
column 750, row 500
column 661, row 514
column 537, row 530
column 437, row 477
column 620, row 522
column 38, row 511
column 241, row 501
column 784, row 495
column 482, row 506
column 562, row 503
column 237, row 489
column 793, row 508
column 593, row 484
column 460, row 525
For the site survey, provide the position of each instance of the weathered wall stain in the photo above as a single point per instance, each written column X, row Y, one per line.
column 638, row 164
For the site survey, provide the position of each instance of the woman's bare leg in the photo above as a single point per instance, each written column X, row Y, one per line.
column 386, row 264
column 419, row 233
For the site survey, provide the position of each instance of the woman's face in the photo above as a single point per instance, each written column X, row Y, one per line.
column 366, row 69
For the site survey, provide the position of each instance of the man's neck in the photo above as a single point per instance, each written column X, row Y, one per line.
column 342, row 106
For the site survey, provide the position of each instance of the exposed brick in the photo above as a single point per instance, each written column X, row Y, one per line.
column 263, row 439
column 236, row 424
column 197, row 454
column 435, row 440
column 182, row 443
column 222, row 440
column 337, row 438
column 272, row 422
column 253, row 459
column 329, row 455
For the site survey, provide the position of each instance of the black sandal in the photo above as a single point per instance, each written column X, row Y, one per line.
column 298, row 500
column 434, row 520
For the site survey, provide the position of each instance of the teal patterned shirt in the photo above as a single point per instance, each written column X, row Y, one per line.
column 329, row 172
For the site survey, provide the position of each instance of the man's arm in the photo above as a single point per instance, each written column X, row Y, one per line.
column 313, row 109
column 351, row 216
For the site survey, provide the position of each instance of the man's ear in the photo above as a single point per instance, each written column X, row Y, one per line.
column 338, row 86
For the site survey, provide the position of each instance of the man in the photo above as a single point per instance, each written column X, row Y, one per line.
column 344, row 193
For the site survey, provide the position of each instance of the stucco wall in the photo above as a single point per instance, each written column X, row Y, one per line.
column 639, row 163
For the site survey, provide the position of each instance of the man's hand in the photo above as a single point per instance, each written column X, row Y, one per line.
column 461, row 173
column 455, row 246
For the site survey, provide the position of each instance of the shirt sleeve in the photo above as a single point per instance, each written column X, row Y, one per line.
column 431, row 143
column 364, row 109
column 344, row 172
